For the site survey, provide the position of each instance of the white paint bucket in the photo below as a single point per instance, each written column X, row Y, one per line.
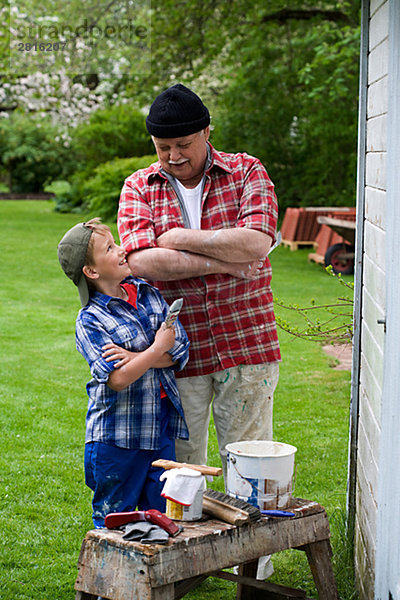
column 261, row 473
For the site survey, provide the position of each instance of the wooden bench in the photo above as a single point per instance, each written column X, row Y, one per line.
column 117, row 569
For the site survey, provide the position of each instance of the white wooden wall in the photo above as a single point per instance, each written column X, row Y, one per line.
column 373, row 301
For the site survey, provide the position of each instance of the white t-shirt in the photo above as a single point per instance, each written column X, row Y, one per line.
column 192, row 200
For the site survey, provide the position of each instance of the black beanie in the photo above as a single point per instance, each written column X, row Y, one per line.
column 177, row 112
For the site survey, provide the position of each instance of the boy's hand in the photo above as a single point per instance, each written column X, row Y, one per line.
column 165, row 338
column 114, row 352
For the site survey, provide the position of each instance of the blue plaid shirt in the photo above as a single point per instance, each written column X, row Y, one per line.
column 129, row 418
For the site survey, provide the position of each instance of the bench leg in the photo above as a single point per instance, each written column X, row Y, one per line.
column 165, row 592
column 85, row 596
column 187, row 585
column 245, row 592
column 319, row 558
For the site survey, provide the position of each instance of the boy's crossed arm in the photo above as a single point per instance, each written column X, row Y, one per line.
column 115, row 352
column 132, row 365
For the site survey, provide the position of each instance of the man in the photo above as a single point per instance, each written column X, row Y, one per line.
column 199, row 223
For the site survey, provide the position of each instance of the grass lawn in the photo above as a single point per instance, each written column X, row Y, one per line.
column 45, row 506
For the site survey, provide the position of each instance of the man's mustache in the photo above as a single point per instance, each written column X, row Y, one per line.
column 177, row 162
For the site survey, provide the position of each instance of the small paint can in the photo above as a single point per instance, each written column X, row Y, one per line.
column 193, row 512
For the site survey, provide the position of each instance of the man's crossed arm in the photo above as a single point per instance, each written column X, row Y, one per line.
column 184, row 253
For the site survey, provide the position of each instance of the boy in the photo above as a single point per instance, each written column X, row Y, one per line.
column 134, row 412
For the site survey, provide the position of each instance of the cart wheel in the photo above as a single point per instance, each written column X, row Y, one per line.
column 340, row 264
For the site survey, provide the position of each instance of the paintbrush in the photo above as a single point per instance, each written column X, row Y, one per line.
column 231, row 510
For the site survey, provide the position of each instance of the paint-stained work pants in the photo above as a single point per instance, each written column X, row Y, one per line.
column 123, row 479
column 241, row 398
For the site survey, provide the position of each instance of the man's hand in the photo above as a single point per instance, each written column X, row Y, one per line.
column 170, row 239
column 249, row 270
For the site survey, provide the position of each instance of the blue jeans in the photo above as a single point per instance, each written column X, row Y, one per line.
column 123, row 479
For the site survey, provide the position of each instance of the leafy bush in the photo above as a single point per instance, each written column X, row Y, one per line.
column 58, row 187
column 115, row 132
column 32, row 153
column 103, row 190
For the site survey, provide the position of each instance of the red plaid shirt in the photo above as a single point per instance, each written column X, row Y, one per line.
column 229, row 321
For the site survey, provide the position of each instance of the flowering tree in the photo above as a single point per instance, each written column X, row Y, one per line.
column 59, row 63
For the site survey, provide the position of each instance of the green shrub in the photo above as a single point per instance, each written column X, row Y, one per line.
column 32, row 153
column 103, row 190
column 115, row 132
column 58, row 187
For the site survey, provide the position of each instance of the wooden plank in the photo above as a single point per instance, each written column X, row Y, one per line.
column 229, row 547
column 187, row 585
column 345, row 228
column 334, row 221
column 319, row 558
column 245, row 582
column 294, row 245
column 318, row 258
column 378, row 64
column 376, row 170
column 249, row 588
column 84, row 596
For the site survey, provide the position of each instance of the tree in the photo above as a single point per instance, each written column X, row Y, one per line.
column 282, row 84
column 304, row 126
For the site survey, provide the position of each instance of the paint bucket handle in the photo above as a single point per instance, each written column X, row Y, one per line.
column 233, row 461
column 294, row 476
